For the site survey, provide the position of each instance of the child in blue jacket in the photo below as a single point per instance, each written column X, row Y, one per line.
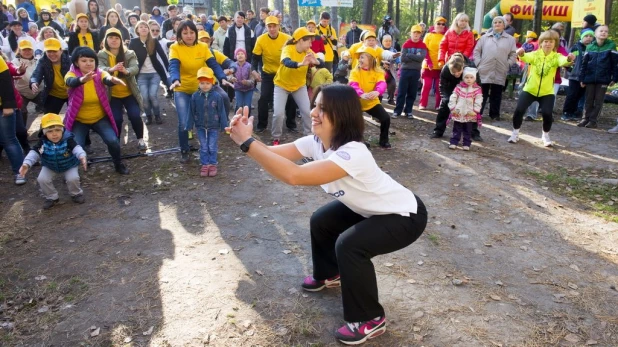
column 59, row 154
column 209, row 116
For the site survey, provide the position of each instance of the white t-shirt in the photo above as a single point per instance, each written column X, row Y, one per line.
column 240, row 37
column 367, row 190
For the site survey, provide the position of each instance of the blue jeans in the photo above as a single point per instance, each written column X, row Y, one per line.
column 408, row 88
column 183, row 101
column 133, row 112
column 148, row 84
column 208, row 145
column 105, row 130
column 8, row 140
column 244, row 99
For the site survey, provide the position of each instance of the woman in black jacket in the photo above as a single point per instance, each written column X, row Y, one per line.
column 153, row 65
column 83, row 36
column 112, row 19
column 450, row 76
column 51, row 69
column 47, row 21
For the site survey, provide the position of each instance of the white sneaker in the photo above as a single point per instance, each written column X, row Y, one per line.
column 466, row 148
column 452, row 146
column 514, row 138
column 546, row 140
column 421, row 108
column 613, row 130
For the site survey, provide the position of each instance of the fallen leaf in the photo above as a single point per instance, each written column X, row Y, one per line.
column 40, row 278
column 287, row 251
column 250, row 332
column 499, row 283
column 259, row 272
column 457, row 282
column 495, row 297
column 572, row 338
column 418, row 315
column 574, row 267
column 292, row 291
column 149, row 331
column 224, row 251
column 423, row 254
column 128, row 339
column 420, row 262
column 411, row 281
column 388, row 264
column 95, row 332
column 591, row 342
column 43, row 309
column 437, row 222
column 572, row 285
column 237, row 218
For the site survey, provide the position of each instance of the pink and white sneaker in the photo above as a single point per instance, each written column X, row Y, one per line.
column 359, row 332
column 312, row 285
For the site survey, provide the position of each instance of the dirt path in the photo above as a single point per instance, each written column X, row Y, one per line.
column 163, row 257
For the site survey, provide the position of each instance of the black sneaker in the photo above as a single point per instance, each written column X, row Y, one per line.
column 78, row 199
column 260, row 130
column 121, row 168
column 293, row 130
column 583, row 123
column 477, row 138
column 386, row 145
column 158, row 119
column 409, row 116
column 49, row 203
column 435, row 135
column 591, row 125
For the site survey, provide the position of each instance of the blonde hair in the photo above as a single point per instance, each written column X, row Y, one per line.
column 40, row 37
column 550, row 35
column 459, row 17
column 345, row 54
column 373, row 63
column 456, row 62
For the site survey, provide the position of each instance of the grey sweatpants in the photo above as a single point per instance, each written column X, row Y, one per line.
column 46, row 178
column 301, row 97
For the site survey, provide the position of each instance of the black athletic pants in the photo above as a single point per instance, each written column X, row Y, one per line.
column 378, row 112
column 343, row 242
column 266, row 97
column 546, row 104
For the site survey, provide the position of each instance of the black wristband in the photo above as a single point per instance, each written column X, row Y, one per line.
column 245, row 145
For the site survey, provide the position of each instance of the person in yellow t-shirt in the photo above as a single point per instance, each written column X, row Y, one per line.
column 122, row 63
column 88, row 107
column 329, row 36
column 367, row 79
column 51, row 69
column 82, row 36
column 187, row 56
column 291, row 79
column 267, row 54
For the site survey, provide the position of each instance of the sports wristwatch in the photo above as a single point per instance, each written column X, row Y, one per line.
column 245, row 145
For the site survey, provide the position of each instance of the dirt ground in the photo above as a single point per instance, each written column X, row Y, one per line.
column 521, row 248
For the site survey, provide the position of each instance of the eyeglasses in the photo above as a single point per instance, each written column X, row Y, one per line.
column 85, row 41
column 442, row 24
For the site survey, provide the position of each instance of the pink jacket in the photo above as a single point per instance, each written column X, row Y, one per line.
column 76, row 98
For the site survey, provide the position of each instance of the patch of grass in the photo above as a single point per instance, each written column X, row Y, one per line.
column 52, row 286
column 601, row 198
column 435, row 239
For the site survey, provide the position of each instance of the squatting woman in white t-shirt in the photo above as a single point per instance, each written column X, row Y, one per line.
column 372, row 214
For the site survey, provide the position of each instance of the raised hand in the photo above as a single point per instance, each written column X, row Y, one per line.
column 87, row 77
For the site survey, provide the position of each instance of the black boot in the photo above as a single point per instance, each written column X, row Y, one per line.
column 184, row 156
column 158, row 119
column 121, row 168
column 148, row 120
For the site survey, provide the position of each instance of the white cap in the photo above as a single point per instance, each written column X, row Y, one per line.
column 470, row 71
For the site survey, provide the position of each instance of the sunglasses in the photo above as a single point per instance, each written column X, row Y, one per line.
column 442, row 24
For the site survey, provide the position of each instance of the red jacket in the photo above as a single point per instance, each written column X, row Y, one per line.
column 15, row 74
column 317, row 45
column 452, row 43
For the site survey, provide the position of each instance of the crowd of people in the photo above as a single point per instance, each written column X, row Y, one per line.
column 102, row 65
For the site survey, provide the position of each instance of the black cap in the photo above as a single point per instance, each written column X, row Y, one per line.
column 15, row 22
column 590, row 19
column 387, row 17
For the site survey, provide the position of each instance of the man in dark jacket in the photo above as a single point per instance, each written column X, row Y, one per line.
column 260, row 28
column 168, row 24
column 353, row 36
column 239, row 35
column 251, row 20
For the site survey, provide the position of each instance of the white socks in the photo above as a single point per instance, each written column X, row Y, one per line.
column 514, row 136
column 546, row 141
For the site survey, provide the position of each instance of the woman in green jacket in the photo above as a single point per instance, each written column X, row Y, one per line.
column 122, row 63
column 540, row 84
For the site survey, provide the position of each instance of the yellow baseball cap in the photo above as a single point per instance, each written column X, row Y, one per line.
column 516, row 35
column 530, row 34
column 365, row 49
column 203, row 34
column 205, row 72
column 310, row 21
column 51, row 119
column 440, row 19
column 25, row 44
column 80, row 15
column 366, row 34
column 52, row 44
column 300, row 33
column 271, row 20
column 416, row 29
column 113, row 31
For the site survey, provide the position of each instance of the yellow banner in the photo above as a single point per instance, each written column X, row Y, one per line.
column 581, row 8
column 558, row 11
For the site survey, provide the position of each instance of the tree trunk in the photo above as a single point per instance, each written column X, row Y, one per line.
column 259, row 4
column 459, row 6
column 245, row 5
column 389, row 7
column 418, row 9
column 446, row 9
column 608, row 12
column 424, row 11
column 398, row 12
column 294, row 14
column 279, row 5
column 538, row 14
column 334, row 18
column 367, row 12
column 432, row 9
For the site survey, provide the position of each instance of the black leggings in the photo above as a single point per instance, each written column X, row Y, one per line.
column 378, row 112
column 546, row 104
column 343, row 242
